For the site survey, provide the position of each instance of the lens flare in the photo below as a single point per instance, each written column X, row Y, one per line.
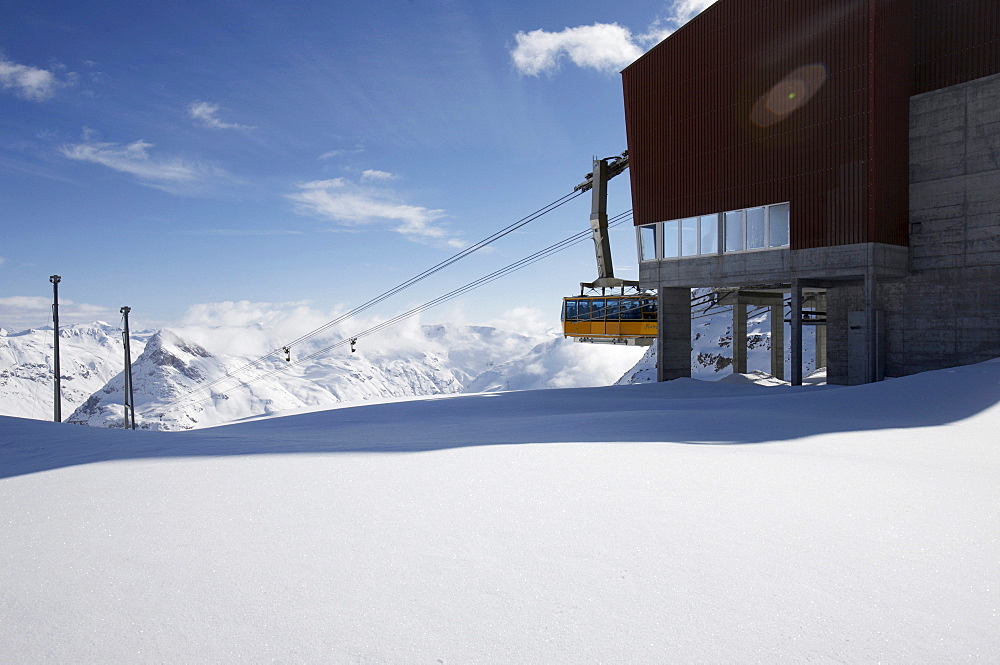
column 788, row 95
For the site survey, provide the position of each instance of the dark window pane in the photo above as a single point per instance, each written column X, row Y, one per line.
column 611, row 309
column 597, row 309
column 570, row 313
column 649, row 310
column 630, row 310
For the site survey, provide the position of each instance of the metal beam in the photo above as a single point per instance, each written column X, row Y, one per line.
column 796, row 341
column 56, row 389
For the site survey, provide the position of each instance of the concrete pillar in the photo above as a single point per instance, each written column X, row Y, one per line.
column 872, row 327
column 778, row 341
column 796, row 350
column 673, row 343
column 739, row 337
column 821, row 333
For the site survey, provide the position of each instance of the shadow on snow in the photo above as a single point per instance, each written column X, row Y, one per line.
column 683, row 411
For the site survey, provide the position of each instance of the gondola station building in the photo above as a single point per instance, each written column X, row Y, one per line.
column 842, row 156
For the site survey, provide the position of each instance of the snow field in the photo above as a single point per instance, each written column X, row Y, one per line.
column 606, row 524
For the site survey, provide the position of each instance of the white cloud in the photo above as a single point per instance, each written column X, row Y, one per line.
column 373, row 175
column 171, row 174
column 525, row 320
column 353, row 204
column 205, row 113
column 27, row 82
column 606, row 47
column 602, row 46
column 2, row 260
column 685, row 10
column 249, row 328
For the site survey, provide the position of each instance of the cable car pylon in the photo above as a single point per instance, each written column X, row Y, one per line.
column 622, row 318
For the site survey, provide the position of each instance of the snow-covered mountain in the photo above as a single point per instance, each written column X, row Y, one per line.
column 190, row 377
column 180, row 383
column 90, row 355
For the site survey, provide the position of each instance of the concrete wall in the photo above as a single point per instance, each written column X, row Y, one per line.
column 946, row 312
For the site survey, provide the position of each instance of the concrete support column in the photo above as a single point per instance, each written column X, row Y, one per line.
column 821, row 333
column 872, row 338
column 673, row 343
column 796, row 350
column 778, row 341
column 739, row 338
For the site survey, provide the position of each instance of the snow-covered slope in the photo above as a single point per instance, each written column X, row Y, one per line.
column 682, row 522
column 90, row 355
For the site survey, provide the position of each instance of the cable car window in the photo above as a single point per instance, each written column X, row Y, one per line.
column 649, row 310
column 630, row 310
column 597, row 309
column 570, row 313
column 582, row 310
column 611, row 309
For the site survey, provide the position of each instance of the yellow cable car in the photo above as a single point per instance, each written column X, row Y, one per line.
column 614, row 319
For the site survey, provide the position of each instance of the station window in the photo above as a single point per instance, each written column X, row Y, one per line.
column 689, row 236
column 761, row 227
column 734, row 231
column 777, row 224
column 647, row 243
column 748, row 229
column 709, row 225
column 756, row 228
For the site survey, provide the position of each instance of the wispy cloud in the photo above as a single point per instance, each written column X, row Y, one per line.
column 2, row 260
column 357, row 150
column 243, row 232
column 27, row 82
column 353, row 204
column 374, row 175
column 21, row 312
column 171, row 174
column 605, row 47
column 205, row 114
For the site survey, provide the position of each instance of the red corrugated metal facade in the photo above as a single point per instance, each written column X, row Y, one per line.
column 764, row 101
column 954, row 41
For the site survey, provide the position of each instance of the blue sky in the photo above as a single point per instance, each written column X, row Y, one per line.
column 167, row 155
